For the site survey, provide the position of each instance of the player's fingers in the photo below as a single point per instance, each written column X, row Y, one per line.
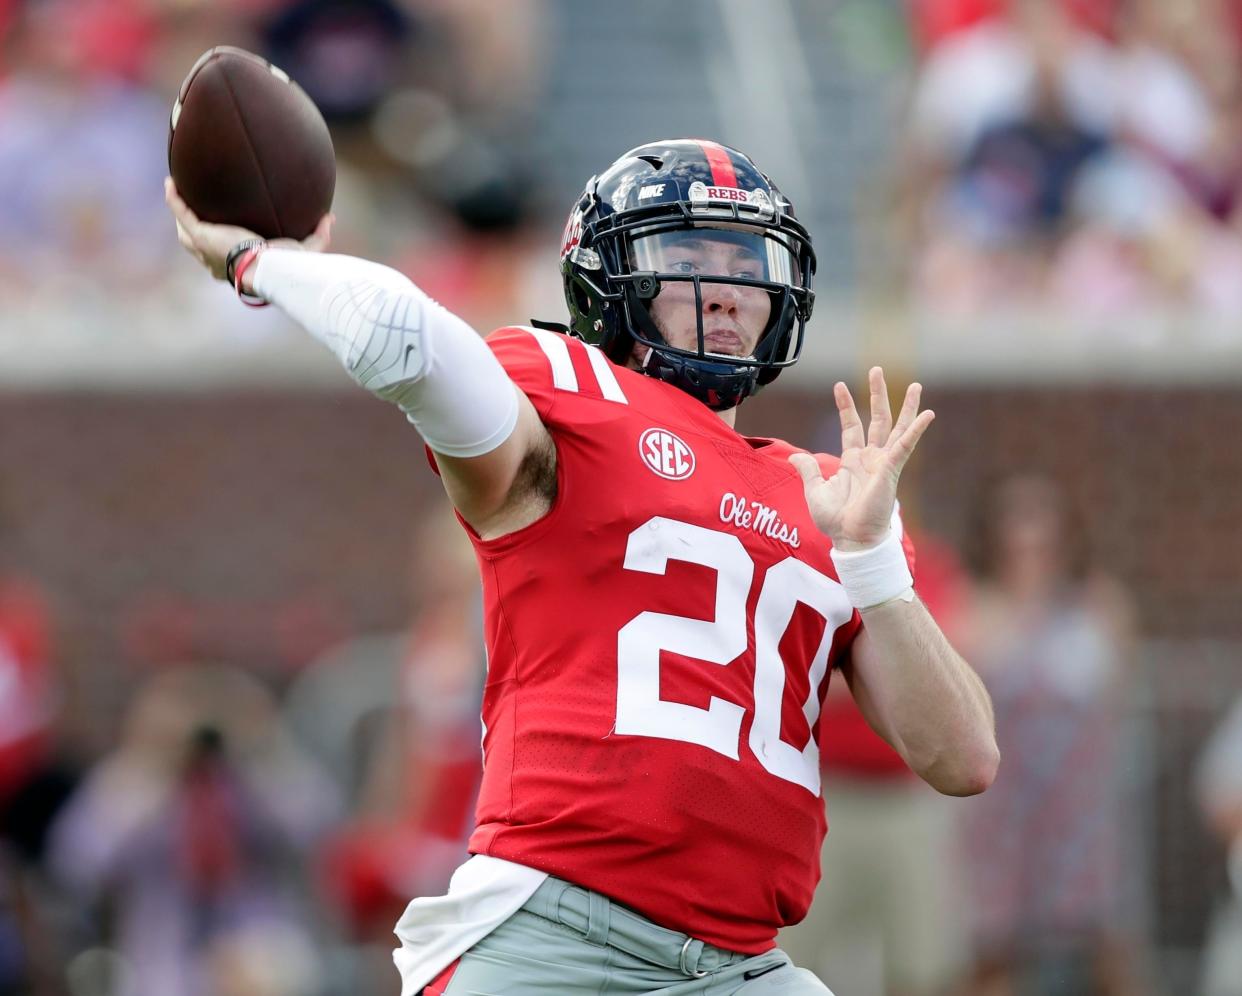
column 909, row 409
column 881, row 413
column 900, row 451
column 851, row 425
column 188, row 244
column 319, row 239
column 186, row 218
column 807, row 467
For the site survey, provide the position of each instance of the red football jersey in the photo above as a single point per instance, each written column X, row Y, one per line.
column 659, row 644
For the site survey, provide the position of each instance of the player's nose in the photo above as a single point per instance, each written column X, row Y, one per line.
column 718, row 297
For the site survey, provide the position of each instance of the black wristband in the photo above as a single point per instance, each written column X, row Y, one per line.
column 230, row 261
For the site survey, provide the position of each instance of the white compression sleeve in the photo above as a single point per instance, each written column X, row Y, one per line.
column 397, row 343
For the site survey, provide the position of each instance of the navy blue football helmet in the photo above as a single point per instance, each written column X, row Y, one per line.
column 645, row 224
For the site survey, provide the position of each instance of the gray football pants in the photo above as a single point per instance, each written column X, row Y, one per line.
column 567, row 941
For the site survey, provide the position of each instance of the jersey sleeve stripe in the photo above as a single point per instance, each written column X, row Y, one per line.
column 556, row 348
column 608, row 386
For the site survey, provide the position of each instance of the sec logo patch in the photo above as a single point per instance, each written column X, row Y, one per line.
column 666, row 454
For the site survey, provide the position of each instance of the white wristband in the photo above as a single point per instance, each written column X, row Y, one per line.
column 875, row 575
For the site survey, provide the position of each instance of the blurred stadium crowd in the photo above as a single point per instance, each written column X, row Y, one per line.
column 238, row 723
column 429, row 103
column 1083, row 155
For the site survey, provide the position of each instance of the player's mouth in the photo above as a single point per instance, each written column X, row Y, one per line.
column 723, row 341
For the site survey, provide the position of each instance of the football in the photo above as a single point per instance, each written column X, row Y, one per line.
column 248, row 147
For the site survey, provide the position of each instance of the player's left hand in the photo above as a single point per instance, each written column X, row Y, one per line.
column 210, row 243
column 855, row 506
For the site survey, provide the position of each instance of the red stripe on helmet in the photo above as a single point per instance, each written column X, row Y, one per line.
column 718, row 159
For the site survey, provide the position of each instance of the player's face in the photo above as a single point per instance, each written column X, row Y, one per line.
column 734, row 316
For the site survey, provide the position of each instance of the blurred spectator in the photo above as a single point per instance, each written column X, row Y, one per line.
column 443, row 95
column 396, row 716
column 932, row 21
column 1082, row 153
column 882, row 922
column 998, row 69
column 26, row 686
column 421, row 757
column 1005, row 115
column 346, row 54
column 1044, row 846
column 1219, row 785
column 461, row 123
column 431, row 105
column 1154, row 221
column 34, row 783
column 191, row 833
column 81, row 152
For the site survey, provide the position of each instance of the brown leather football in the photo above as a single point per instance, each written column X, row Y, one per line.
column 248, row 147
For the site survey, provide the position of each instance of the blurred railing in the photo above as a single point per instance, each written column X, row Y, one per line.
column 194, row 336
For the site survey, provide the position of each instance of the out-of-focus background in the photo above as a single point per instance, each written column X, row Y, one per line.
column 239, row 659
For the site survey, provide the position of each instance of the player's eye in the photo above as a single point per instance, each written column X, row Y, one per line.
column 748, row 265
column 684, row 266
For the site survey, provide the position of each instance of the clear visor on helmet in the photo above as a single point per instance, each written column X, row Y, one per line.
column 724, row 251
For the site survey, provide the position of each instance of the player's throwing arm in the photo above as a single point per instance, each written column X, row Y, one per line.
column 396, row 342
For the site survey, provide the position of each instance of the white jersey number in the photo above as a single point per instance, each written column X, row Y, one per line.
column 721, row 640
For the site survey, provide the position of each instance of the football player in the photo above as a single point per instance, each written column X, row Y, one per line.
column 666, row 599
